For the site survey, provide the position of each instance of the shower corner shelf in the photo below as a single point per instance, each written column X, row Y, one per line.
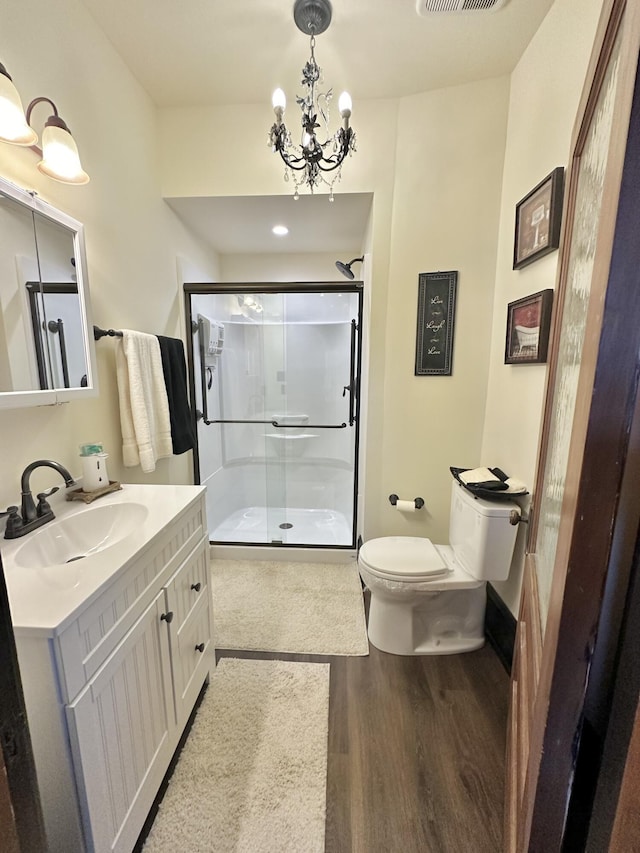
column 283, row 436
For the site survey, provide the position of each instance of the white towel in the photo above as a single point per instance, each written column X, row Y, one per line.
column 516, row 487
column 144, row 407
column 478, row 475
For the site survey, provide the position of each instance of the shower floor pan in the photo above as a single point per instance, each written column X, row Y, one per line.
column 256, row 524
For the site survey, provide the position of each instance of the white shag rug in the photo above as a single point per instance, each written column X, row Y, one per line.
column 303, row 608
column 251, row 777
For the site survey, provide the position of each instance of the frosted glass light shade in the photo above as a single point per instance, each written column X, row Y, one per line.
column 60, row 158
column 279, row 100
column 345, row 105
column 13, row 125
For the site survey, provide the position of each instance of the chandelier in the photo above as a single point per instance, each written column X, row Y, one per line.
column 313, row 161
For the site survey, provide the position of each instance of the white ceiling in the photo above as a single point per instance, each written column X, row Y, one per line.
column 238, row 51
column 243, row 225
column 207, row 52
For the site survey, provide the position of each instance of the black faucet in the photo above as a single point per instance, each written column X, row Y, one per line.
column 32, row 516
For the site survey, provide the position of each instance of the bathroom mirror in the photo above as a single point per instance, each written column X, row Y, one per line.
column 47, row 353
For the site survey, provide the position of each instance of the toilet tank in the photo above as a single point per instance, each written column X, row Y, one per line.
column 480, row 534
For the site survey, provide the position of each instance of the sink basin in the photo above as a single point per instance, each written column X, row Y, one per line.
column 79, row 535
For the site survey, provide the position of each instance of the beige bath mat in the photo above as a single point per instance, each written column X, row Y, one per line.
column 305, row 608
column 251, row 777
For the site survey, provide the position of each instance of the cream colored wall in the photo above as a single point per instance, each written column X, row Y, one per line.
column 134, row 241
column 545, row 91
column 445, row 217
column 217, row 151
column 285, row 267
column 436, row 207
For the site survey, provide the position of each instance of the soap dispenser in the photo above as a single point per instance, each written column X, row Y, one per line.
column 94, row 467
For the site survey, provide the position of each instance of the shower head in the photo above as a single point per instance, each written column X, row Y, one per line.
column 345, row 269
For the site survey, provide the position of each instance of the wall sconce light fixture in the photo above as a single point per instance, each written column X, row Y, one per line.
column 60, row 158
column 13, row 125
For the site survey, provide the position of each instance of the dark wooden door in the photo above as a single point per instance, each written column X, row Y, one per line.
column 585, row 509
column 21, row 823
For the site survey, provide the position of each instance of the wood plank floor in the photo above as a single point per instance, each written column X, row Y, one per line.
column 416, row 752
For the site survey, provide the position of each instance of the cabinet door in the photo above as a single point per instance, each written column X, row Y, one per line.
column 189, row 584
column 192, row 656
column 121, row 729
column 188, row 598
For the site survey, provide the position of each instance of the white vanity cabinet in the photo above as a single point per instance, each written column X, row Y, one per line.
column 120, row 728
column 127, row 670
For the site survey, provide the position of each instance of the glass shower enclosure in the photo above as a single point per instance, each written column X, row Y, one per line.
column 274, row 373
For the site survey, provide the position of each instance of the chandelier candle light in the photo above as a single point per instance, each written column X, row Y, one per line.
column 312, row 159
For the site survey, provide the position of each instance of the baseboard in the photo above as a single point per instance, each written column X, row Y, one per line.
column 318, row 554
column 500, row 627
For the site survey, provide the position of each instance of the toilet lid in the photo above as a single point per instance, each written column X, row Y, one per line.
column 403, row 555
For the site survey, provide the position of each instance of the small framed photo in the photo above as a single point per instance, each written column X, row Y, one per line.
column 538, row 217
column 528, row 326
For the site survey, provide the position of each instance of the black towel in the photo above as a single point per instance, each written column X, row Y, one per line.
column 175, row 379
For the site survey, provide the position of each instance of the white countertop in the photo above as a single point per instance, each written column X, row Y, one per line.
column 44, row 600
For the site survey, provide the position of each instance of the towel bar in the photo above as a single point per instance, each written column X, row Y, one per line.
column 102, row 333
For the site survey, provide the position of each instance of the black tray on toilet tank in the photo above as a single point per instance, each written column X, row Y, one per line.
column 490, row 491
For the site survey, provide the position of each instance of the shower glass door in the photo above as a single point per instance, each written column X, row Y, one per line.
column 274, row 375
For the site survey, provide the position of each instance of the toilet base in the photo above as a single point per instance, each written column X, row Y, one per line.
column 439, row 623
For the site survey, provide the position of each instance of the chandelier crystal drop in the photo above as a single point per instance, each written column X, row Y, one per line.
column 313, row 161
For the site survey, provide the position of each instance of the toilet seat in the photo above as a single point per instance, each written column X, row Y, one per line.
column 403, row 558
column 411, row 559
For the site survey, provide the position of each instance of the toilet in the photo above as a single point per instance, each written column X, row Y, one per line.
column 429, row 599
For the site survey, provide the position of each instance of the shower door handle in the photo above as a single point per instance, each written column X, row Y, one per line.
column 56, row 327
column 275, row 424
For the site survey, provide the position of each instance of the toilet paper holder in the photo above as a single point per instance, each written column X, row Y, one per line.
column 419, row 502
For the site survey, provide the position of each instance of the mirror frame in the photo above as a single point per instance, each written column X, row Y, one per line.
column 52, row 397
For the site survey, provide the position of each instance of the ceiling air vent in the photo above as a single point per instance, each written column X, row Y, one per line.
column 435, row 7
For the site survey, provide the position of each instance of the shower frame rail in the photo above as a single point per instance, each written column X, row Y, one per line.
column 56, row 327
column 352, row 374
column 38, row 321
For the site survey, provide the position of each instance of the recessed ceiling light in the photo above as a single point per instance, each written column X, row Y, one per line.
column 280, row 230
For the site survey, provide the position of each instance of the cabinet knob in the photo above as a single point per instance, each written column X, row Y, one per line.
column 168, row 617
column 200, row 647
column 196, row 586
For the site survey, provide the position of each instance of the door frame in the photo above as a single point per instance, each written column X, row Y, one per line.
column 356, row 287
column 615, row 821
column 20, row 809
